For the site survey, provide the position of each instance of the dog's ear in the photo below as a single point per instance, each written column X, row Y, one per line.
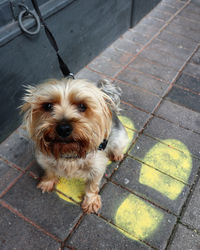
column 111, row 90
column 27, row 98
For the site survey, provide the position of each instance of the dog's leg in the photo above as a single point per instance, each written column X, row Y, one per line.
column 48, row 181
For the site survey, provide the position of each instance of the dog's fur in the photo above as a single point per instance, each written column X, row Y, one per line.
column 89, row 110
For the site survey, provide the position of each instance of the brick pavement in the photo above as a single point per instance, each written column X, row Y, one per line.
column 151, row 199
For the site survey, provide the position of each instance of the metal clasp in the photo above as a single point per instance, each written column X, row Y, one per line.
column 27, row 12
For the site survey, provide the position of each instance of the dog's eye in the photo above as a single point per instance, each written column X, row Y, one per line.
column 82, row 107
column 48, row 106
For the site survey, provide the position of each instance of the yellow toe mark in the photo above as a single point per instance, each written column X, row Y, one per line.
column 137, row 218
column 177, row 164
column 74, row 188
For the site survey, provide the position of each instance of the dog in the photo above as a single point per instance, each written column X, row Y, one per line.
column 75, row 130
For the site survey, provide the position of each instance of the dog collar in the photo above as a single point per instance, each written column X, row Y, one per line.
column 103, row 145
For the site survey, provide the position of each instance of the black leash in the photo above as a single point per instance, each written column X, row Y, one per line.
column 63, row 66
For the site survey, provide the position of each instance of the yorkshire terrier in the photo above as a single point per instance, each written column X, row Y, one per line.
column 75, row 130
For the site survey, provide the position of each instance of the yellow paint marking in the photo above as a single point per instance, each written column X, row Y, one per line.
column 74, row 188
column 138, row 218
column 172, row 162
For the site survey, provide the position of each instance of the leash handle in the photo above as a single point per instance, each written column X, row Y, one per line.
column 63, row 66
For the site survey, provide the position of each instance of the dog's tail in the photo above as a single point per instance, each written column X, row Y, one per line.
column 113, row 91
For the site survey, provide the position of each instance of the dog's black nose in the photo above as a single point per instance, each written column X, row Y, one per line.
column 64, row 129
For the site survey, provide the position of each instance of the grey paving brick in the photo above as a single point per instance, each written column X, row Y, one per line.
column 126, row 46
column 136, row 37
column 190, row 15
column 196, row 58
column 134, row 77
column 167, row 8
column 18, row 234
column 131, row 213
column 155, row 13
column 105, row 66
column 137, row 117
column 184, row 31
column 89, row 74
column 184, row 98
column 146, row 30
column 193, row 25
column 192, row 213
column 193, row 8
column 150, row 21
column 117, row 55
column 35, row 170
column 168, row 156
column 189, row 82
column 185, row 239
column 177, row 40
column 193, row 69
column 138, row 97
column 174, row 3
column 163, row 130
column 163, row 58
column 7, row 175
column 141, row 179
column 157, row 70
column 95, row 233
column 171, row 49
column 47, row 210
column 17, row 149
column 179, row 115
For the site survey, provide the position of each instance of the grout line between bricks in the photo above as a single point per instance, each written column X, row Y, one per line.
column 16, row 212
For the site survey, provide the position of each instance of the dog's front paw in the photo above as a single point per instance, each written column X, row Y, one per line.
column 91, row 204
column 47, row 185
column 115, row 157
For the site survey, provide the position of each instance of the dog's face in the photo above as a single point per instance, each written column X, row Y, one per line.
column 67, row 118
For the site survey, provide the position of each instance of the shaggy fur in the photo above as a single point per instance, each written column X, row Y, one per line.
column 67, row 121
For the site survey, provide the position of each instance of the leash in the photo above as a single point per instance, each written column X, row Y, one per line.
column 63, row 66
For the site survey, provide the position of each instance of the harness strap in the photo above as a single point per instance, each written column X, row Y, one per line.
column 63, row 66
column 103, row 145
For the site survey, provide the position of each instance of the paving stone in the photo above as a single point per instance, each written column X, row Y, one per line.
column 137, row 37
column 117, row 55
column 184, row 31
column 137, row 117
column 177, row 40
column 95, row 233
column 193, row 8
column 160, row 15
column 192, row 213
column 150, row 21
column 131, row 175
column 157, row 70
column 185, row 239
column 196, row 58
column 188, row 82
column 168, row 160
column 17, row 149
column 193, row 69
column 138, row 97
column 105, row 66
column 146, row 30
column 134, row 77
column 7, row 175
column 159, row 128
column 18, row 234
column 174, row 3
column 35, row 170
column 171, row 49
column 179, row 115
column 163, row 58
column 47, row 210
column 89, row 74
column 184, row 98
column 193, row 25
column 130, row 213
column 190, row 15
column 126, row 46
column 166, row 8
